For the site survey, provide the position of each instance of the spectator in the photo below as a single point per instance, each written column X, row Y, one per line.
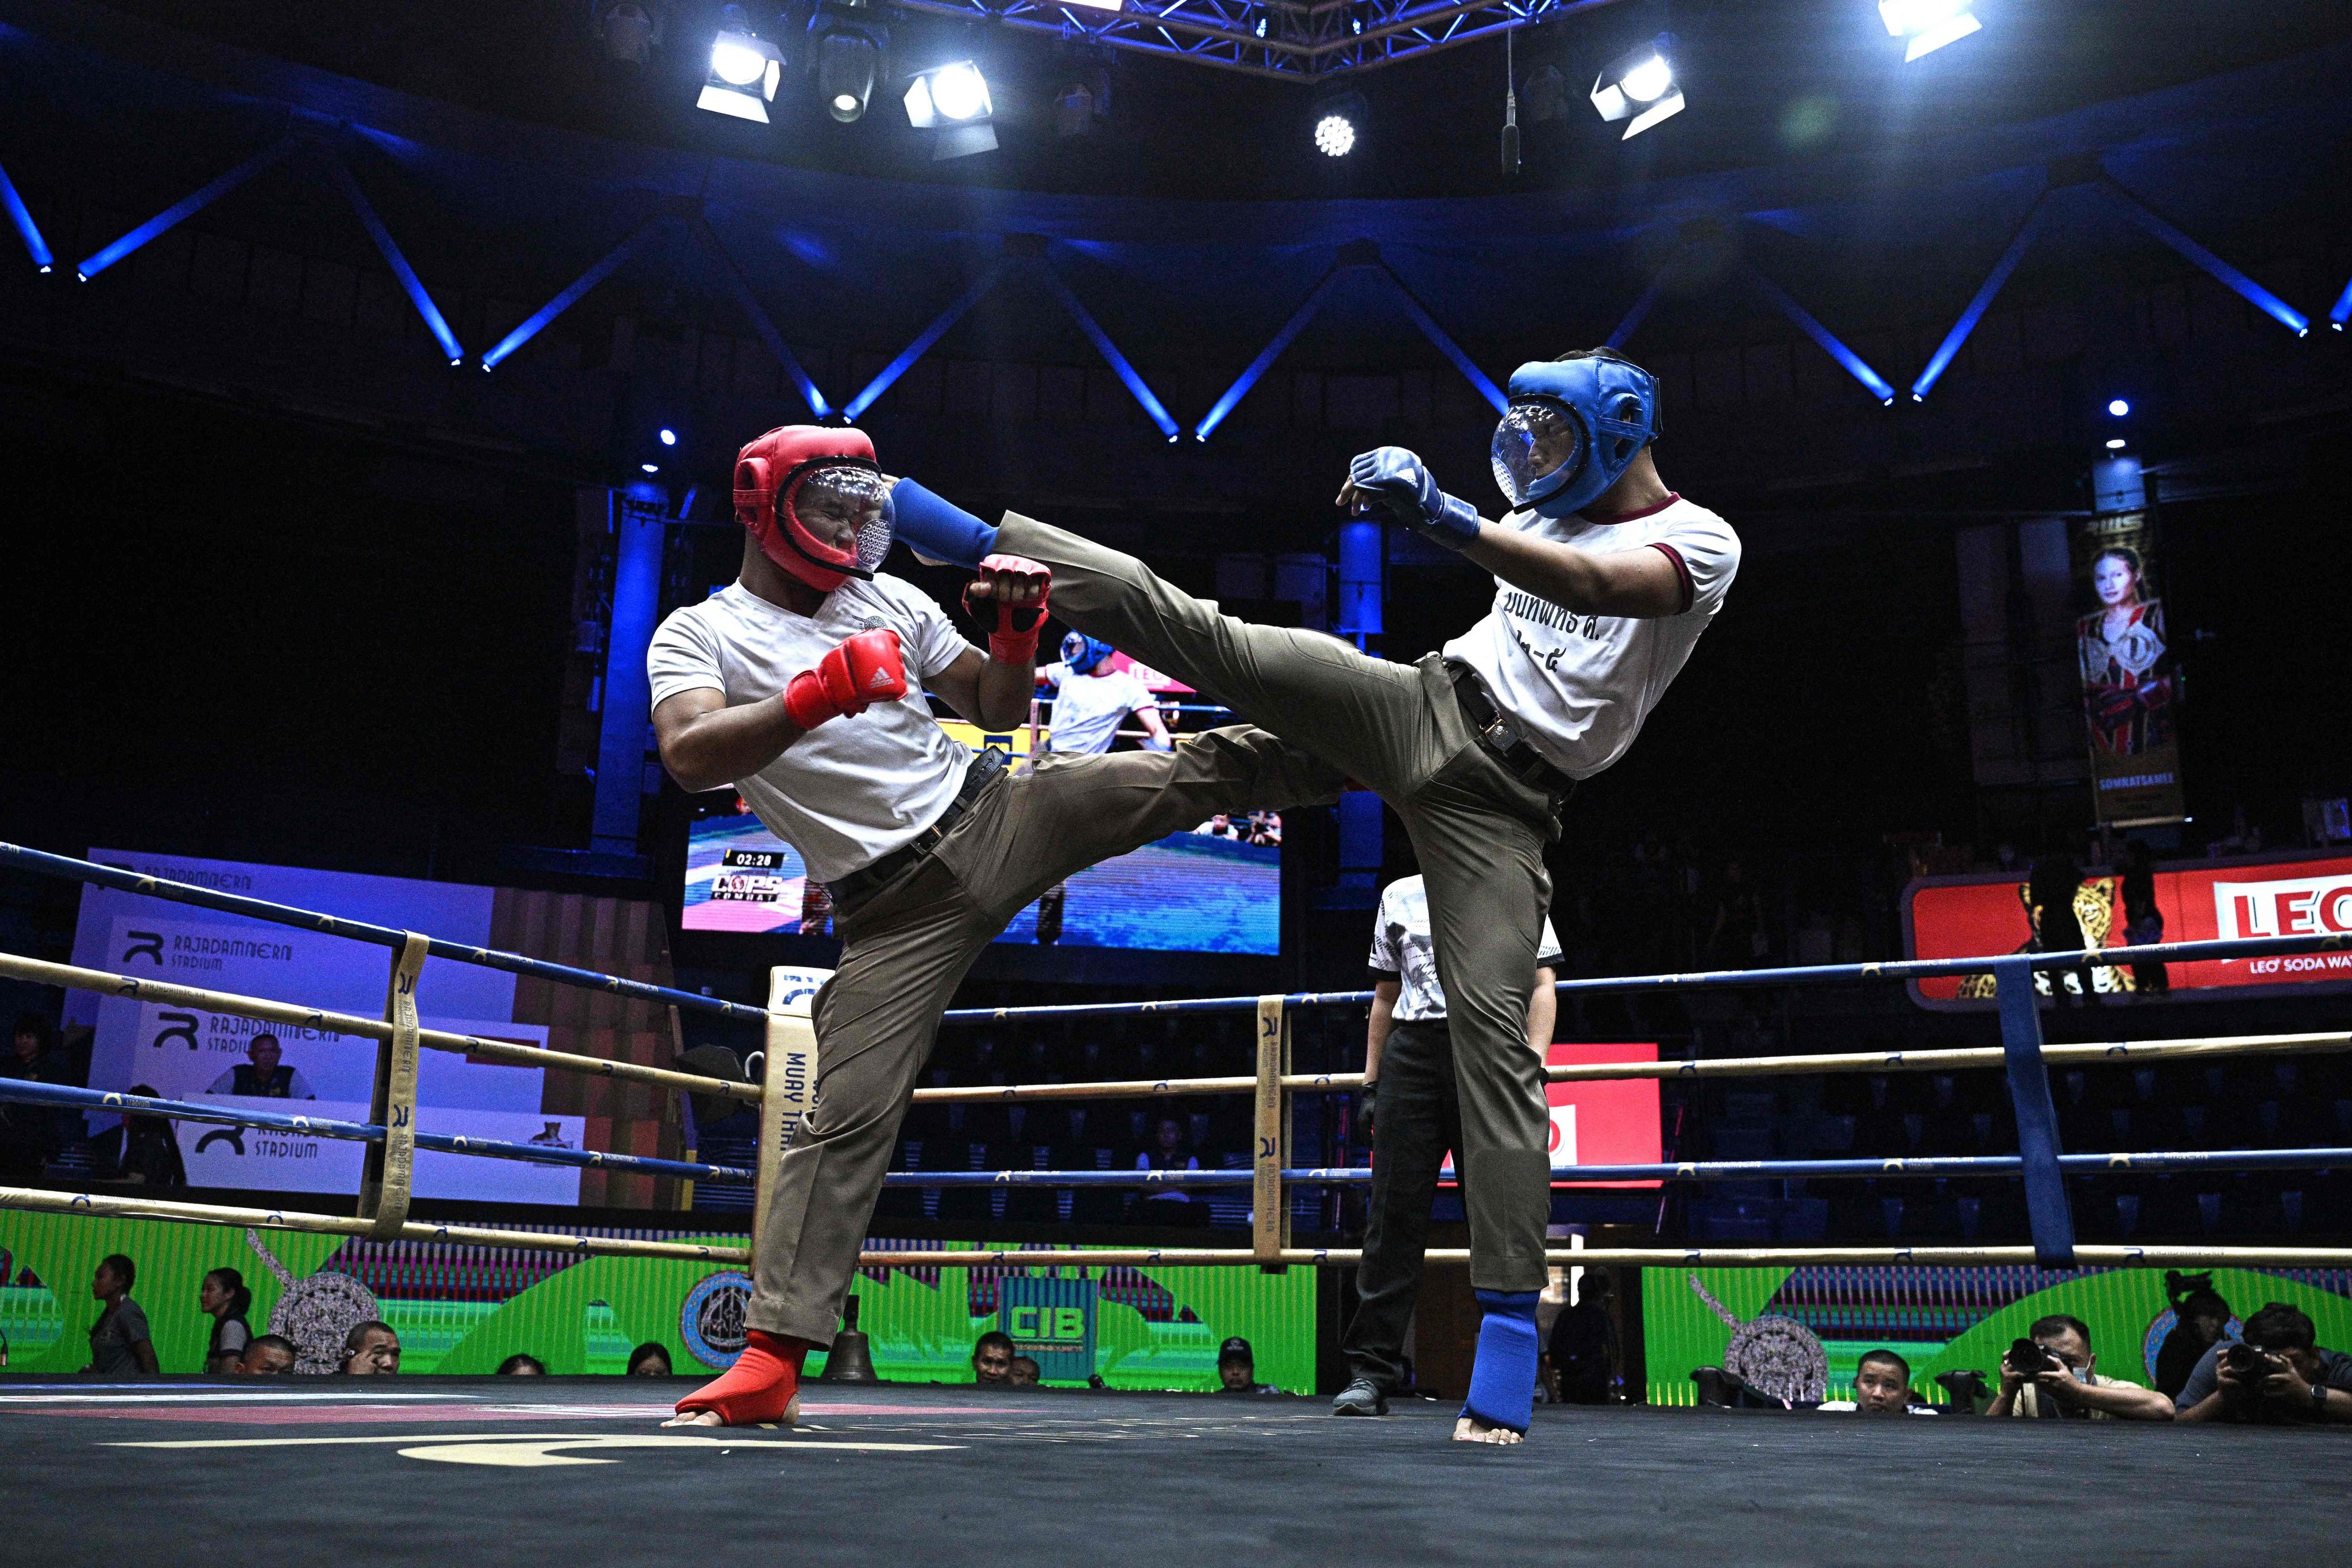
column 1170, row 1205
column 2201, row 1319
column 371, row 1350
column 992, row 1360
column 1237, row 1369
column 1024, row 1373
column 1882, row 1386
column 2051, row 887
column 1415, row 1116
column 120, row 1345
column 2277, row 1374
column 650, row 1359
column 268, row 1355
column 2063, row 1380
column 29, row 1133
column 141, row 1149
column 263, row 1075
column 1583, row 1345
column 523, row 1366
column 223, row 1299
column 2143, row 921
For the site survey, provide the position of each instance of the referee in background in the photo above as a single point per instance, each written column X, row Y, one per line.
column 1416, row 1116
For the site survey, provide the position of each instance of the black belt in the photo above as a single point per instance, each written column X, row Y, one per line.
column 867, row 880
column 1500, row 735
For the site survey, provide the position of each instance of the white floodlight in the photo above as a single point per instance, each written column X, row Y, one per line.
column 745, row 69
column 1640, row 86
column 1929, row 25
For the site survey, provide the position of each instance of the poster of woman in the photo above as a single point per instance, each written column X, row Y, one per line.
column 2126, row 668
column 2130, row 683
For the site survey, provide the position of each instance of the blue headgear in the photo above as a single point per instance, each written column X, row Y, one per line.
column 1574, row 426
column 1082, row 653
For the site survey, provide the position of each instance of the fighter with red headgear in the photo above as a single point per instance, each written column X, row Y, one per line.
column 801, row 685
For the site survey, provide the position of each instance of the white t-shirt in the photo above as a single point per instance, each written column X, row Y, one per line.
column 1403, row 946
column 852, row 790
column 1088, row 709
column 1580, row 686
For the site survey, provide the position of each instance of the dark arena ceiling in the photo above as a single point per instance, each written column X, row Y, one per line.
column 1767, row 80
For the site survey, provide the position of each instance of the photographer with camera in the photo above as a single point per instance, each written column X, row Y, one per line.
column 2277, row 1374
column 2051, row 1375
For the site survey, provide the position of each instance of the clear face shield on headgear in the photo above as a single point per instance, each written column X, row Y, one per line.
column 1539, row 446
column 841, row 498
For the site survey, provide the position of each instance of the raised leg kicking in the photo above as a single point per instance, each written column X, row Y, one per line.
column 801, row 685
column 1604, row 580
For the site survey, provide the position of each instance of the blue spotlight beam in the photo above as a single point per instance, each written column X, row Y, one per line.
column 604, row 268
column 1854, row 364
column 921, row 346
column 2018, row 243
column 1641, row 307
column 434, row 322
column 22, row 216
column 1267, row 357
column 1109, row 352
column 742, row 287
column 2343, row 311
column 186, row 206
column 1447, row 345
column 2227, row 275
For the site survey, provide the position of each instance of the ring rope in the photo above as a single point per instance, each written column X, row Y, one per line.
column 42, row 972
column 28, row 1092
column 42, row 863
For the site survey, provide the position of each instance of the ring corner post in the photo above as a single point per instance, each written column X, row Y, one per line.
column 1269, row 1201
column 2046, row 1207
column 788, row 1079
column 388, row 1175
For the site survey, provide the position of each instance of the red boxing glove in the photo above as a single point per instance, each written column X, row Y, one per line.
column 862, row 670
column 1014, row 640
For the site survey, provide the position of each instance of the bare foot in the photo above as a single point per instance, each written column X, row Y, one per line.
column 1470, row 1429
column 712, row 1417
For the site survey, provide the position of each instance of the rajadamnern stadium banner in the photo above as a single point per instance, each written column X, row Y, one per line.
column 1939, row 1319
column 2131, row 696
column 2201, row 901
column 462, row 1310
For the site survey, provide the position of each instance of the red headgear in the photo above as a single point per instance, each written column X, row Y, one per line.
column 769, row 472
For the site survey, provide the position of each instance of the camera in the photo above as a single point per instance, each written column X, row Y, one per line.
column 2247, row 1363
column 2029, row 1359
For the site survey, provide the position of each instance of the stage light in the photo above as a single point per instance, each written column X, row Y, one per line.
column 669, row 436
column 2119, row 408
column 1929, row 25
column 1641, row 87
column 1094, row 4
column 847, row 63
column 650, row 467
column 744, row 70
column 953, row 103
column 1339, row 123
column 2118, row 444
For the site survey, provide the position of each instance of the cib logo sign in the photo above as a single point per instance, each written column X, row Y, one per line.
column 1051, row 1322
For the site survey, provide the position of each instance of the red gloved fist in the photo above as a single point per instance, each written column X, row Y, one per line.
column 1014, row 640
column 862, row 670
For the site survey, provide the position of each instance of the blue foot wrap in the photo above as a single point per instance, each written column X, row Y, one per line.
column 1503, row 1378
column 937, row 527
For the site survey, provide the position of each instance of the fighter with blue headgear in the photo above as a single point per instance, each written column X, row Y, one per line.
column 1604, row 580
column 1081, row 653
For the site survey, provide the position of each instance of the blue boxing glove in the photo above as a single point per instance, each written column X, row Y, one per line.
column 1401, row 482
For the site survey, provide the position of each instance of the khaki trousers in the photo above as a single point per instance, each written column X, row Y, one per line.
column 1479, row 833
column 906, row 950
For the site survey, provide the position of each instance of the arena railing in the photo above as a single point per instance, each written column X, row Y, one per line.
column 789, row 1076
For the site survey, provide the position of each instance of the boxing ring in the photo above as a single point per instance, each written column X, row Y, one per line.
column 783, row 1096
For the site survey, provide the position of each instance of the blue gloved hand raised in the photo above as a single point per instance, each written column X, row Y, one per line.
column 1398, row 481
